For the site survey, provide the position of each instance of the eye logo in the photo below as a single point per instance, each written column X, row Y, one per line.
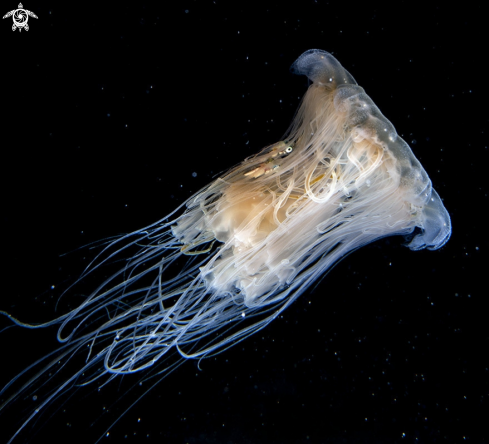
column 20, row 17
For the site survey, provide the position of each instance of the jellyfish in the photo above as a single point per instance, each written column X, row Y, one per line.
column 242, row 249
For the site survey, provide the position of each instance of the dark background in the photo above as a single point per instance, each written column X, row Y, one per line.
column 106, row 114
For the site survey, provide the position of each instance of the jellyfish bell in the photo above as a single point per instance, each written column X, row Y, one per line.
column 242, row 249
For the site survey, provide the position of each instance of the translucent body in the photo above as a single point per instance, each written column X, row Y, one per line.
column 256, row 238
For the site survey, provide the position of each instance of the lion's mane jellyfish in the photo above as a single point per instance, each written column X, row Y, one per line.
column 243, row 248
